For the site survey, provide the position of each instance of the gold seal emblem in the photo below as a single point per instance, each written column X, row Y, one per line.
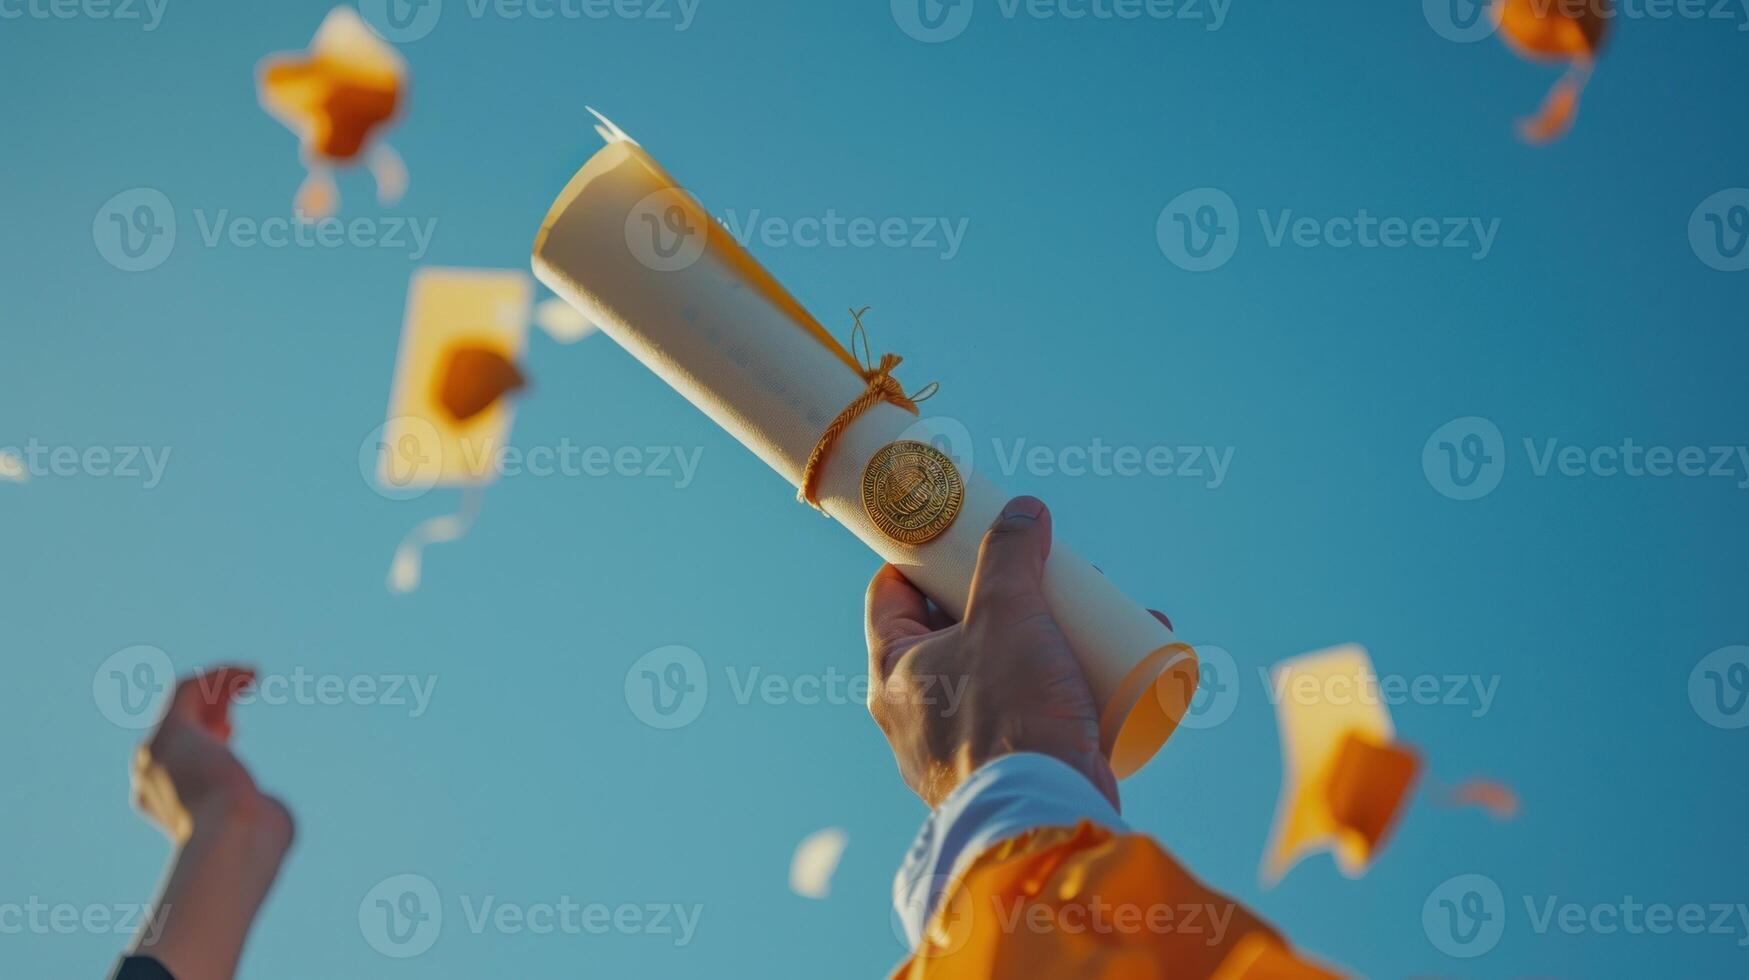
column 912, row 491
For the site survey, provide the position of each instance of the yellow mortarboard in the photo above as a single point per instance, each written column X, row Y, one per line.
column 449, row 417
column 335, row 96
column 1344, row 777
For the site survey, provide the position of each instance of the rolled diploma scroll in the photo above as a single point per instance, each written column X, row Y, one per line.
column 722, row 332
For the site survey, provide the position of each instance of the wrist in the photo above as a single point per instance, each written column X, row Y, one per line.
column 1072, row 745
column 246, row 816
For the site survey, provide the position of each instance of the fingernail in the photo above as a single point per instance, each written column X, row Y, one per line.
column 1028, row 507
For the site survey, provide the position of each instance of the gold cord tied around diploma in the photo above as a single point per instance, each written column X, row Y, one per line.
column 882, row 387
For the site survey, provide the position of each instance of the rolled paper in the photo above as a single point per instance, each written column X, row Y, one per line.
column 642, row 259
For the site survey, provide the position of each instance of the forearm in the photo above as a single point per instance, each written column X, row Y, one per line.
column 217, row 881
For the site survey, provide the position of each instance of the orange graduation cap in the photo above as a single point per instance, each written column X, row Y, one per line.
column 335, row 97
column 1555, row 30
column 1344, row 777
column 449, row 413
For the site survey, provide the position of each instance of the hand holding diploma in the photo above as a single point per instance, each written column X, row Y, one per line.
column 1023, row 690
column 1024, row 866
column 642, row 259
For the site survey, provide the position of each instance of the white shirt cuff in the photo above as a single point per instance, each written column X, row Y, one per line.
column 1002, row 799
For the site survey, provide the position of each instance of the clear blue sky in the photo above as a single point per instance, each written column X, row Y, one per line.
column 1588, row 600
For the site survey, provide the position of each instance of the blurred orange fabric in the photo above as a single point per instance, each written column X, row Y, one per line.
column 1086, row 902
column 1554, row 29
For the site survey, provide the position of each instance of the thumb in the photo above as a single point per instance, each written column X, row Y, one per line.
column 1009, row 581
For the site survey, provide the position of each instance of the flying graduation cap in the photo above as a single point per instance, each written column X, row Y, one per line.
column 1344, row 776
column 450, row 414
column 449, row 409
column 1569, row 31
column 336, row 96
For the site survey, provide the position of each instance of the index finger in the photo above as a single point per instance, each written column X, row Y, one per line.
column 896, row 612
